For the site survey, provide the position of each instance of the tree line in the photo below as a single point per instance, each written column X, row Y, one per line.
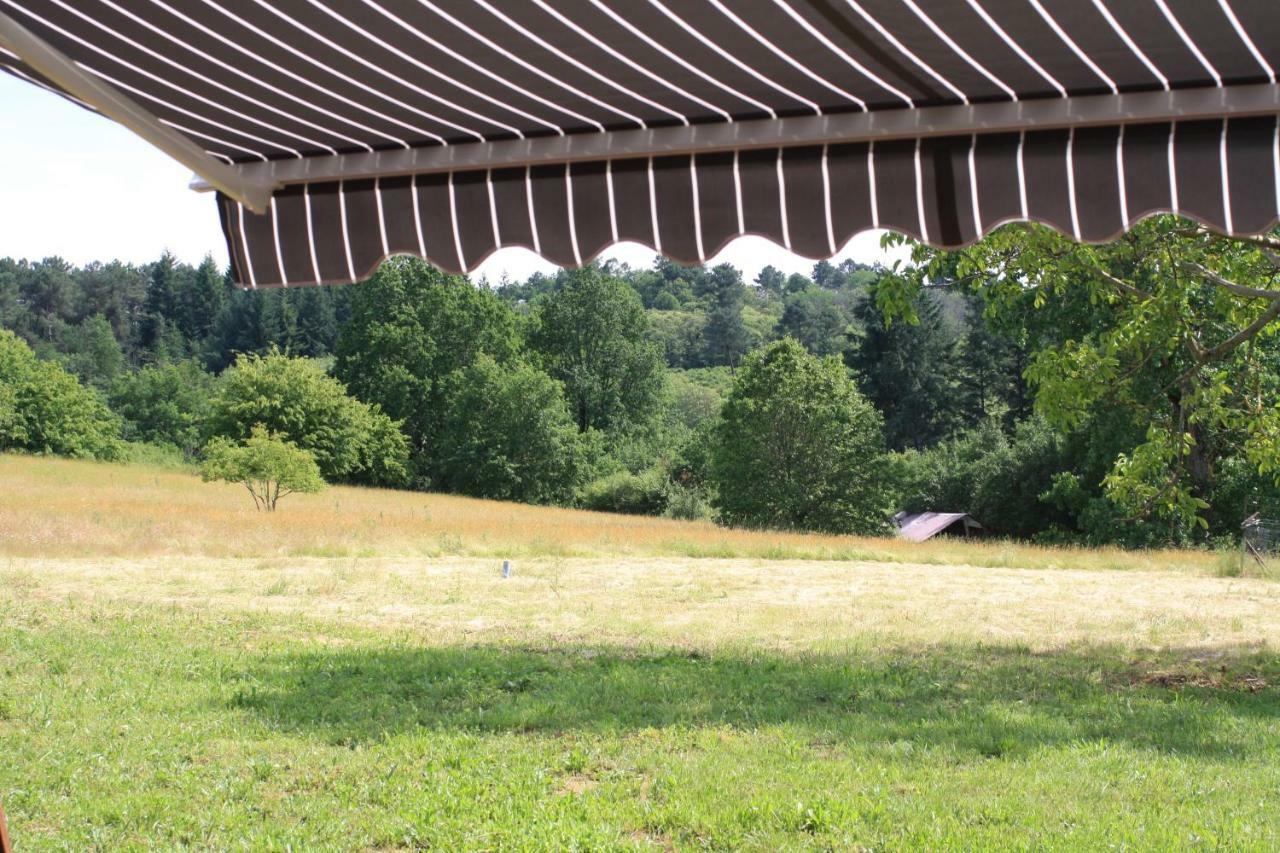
column 1059, row 393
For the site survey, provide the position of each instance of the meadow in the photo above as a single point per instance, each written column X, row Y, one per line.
column 353, row 672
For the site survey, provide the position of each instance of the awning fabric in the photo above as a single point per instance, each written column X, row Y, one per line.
column 312, row 80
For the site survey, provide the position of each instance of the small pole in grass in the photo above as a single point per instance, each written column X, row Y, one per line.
column 506, row 568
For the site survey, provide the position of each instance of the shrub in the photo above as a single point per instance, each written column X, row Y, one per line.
column 646, row 493
column 44, row 409
column 164, row 404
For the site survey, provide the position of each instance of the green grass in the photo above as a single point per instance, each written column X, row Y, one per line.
column 128, row 726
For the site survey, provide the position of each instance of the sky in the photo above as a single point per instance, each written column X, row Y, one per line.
column 76, row 185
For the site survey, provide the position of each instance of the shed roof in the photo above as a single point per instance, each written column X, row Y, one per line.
column 918, row 527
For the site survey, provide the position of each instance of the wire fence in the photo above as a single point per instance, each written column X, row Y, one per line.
column 1260, row 541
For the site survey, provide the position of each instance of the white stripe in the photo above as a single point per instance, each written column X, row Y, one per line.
column 613, row 207
column 871, row 178
column 826, row 202
column 951, row 43
column 653, row 209
column 1275, row 162
column 408, row 84
column 1173, row 171
column 275, row 238
column 1225, row 173
column 573, row 224
column 207, row 80
column 484, row 96
column 1120, row 178
column 292, row 75
column 550, row 78
column 679, row 60
column 453, row 219
column 973, row 185
column 309, row 59
column 1022, row 175
column 201, row 134
column 579, row 65
column 1017, row 48
column 475, row 66
column 493, row 208
column 737, row 194
column 382, row 219
column 684, row 25
column 1071, row 183
column 346, row 237
column 782, row 202
column 417, row 217
column 1075, row 48
column 244, row 243
column 697, row 206
column 838, row 51
column 533, row 219
column 1133, row 47
column 1189, row 42
column 902, row 48
column 924, row 225
column 311, row 231
column 786, row 57
column 1247, row 39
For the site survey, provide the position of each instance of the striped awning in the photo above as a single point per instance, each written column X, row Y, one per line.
column 339, row 132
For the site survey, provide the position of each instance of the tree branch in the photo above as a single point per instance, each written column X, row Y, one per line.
column 1227, row 284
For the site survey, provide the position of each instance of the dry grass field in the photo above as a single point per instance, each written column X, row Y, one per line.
column 353, row 672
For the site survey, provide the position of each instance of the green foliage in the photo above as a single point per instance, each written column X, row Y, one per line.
column 268, row 466
column 816, row 319
column 294, row 399
column 164, row 404
column 592, row 335
column 509, row 436
column 43, row 409
column 90, row 351
column 799, row 447
column 412, row 327
column 646, row 493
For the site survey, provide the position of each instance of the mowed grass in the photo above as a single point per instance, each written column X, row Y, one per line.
column 52, row 507
column 246, row 690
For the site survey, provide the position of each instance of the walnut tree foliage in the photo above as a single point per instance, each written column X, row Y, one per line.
column 1173, row 324
column 268, row 466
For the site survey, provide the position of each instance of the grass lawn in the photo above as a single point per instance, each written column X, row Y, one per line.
column 177, row 671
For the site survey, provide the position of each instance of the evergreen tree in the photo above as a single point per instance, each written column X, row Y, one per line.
column 725, row 335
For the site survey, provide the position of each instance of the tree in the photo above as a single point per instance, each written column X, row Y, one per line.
column 164, row 404
column 293, row 398
column 799, row 448
column 1173, row 323
column 265, row 464
column 91, row 352
column 816, row 319
column 592, row 335
column 907, row 370
column 724, row 336
column 509, row 436
column 43, row 409
column 411, row 328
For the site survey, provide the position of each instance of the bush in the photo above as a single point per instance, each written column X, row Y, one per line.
column 44, row 409
column 268, row 466
column 646, row 493
column 294, row 399
column 164, row 404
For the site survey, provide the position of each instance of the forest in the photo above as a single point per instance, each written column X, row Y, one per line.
column 1124, row 394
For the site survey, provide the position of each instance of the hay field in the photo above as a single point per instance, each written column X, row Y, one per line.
column 354, row 673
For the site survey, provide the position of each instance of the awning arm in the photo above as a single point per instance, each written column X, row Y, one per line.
column 250, row 189
column 960, row 120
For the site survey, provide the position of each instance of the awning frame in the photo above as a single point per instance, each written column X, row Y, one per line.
column 1081, row 111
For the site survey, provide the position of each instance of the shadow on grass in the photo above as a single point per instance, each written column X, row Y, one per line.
column 992, row 700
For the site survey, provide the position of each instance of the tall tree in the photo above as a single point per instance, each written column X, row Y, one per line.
column 724, row 336
column 592, row 335
column 799, row 448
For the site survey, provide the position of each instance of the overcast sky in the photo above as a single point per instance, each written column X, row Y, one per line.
column 78, row 186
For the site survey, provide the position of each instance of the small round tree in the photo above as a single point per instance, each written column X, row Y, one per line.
column 799, row 448
column 265, row 464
